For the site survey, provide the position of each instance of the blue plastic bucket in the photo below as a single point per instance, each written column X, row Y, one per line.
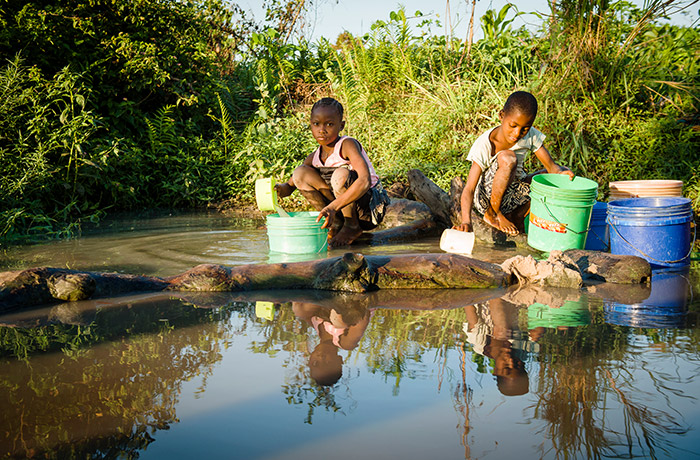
column 560, row 211
column 598, row 238
column 297, row 234
column 657, row 229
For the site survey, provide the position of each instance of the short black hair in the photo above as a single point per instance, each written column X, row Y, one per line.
column 521, row 101
column 329, row 102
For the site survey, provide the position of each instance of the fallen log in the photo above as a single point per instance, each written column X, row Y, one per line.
column 350, row 273
column 433, row 196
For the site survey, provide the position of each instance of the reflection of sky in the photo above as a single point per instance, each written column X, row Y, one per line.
column 329, row 18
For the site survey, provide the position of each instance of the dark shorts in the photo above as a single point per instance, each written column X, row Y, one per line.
column 371, row 206
column 517, row 193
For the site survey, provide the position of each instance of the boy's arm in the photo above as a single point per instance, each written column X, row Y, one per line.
column 286, row 188
column 467, row 199
column 358, row 188
column 550, row 165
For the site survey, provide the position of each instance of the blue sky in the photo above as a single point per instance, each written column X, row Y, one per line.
column 328, row 18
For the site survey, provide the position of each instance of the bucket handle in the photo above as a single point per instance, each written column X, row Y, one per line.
column 695, row 234
column 566, row 226
column 602, row 240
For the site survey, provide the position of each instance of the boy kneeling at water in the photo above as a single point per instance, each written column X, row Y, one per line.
column 497, row 185
column 338, row 179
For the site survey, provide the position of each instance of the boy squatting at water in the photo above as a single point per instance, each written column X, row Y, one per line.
column 497, row 185
column 338, row 177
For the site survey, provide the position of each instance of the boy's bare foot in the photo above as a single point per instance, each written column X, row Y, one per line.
column 500, row 222
column 345, row 236
column 336, row 226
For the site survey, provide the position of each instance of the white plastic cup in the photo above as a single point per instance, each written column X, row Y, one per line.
column 457, row 242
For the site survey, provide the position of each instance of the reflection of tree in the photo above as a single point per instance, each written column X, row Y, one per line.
column 462, row 397
column 581, row 382
column 396, row 340
column 106, row 400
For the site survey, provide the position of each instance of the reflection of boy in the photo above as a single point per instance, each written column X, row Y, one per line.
column 325, row 365
column 488, row 329
column 336, row 329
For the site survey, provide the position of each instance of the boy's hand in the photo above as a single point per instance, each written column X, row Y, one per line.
column 464, row 227
column 283, row 189
column 567, row 171
column 329, row 213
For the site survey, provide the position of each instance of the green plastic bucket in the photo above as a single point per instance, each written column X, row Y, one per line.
column 297, row 234
column 560, row 211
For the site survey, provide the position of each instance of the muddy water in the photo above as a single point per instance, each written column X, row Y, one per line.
column 611, row 371
column 171, row 244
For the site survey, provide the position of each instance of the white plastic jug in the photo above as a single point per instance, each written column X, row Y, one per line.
column 457, row 242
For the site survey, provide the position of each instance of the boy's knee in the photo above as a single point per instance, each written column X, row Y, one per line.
column 507, row 159
column 339, row 179
column 301, row 176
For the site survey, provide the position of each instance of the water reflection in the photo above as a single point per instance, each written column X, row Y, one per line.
column 111, row 377
column 337, row 328
column 665, row 307
column 492, row 330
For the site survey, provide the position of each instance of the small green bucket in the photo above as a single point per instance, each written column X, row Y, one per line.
column 560, row 211
column 297, row 234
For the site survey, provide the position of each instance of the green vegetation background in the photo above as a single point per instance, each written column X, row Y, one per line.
column 110, row 105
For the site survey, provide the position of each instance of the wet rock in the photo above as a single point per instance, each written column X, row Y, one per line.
column 401, row 211
column 71, row 286
column 488, row 234
column 24, row 288
column 41, row 286
column 612, row 268
column 557, row 271
column 412, row 231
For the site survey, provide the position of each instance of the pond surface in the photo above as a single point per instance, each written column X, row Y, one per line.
column 610, row 371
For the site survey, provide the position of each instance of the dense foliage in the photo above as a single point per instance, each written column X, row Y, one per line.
column 114, row 104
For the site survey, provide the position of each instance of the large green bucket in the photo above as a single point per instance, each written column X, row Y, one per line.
column 560, row 211
column 297, row 234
